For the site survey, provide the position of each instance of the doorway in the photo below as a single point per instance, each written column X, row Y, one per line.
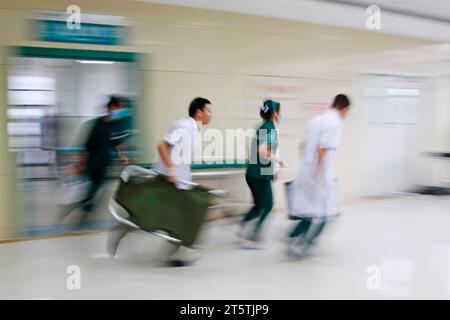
column 51, row 94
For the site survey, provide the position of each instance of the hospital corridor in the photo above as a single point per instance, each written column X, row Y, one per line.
column 239, row 150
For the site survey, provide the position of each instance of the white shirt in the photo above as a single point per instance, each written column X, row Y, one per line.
column 183, row 136
column 313, row 193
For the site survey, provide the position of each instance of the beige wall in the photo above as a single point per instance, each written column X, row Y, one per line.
column 235, row 61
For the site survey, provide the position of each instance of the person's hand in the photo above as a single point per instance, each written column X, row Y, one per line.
column 74, row 169
column 172, row 175
column 124, row 159
column 172, row 179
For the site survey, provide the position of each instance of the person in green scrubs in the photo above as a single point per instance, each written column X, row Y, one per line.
column 260, row 173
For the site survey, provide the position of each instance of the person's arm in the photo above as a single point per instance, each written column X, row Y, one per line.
column 318, row 172
column 320, row 157
column 79, row 161
column 323, row 174
column 77, row 164
column 328, row 142
column 164, row 153
column 123, row 158
column 265, row 151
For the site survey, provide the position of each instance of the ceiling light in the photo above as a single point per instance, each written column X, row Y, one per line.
column 94, row 62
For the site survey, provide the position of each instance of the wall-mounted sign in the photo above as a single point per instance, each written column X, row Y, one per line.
column 91, row 29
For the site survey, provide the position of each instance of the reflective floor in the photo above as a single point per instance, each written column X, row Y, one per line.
column 390, row 248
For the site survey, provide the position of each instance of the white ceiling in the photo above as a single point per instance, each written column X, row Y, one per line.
column 424, row 19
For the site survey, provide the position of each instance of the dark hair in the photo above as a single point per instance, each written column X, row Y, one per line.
column 197, row 104
column 340, row 102
column 113, row 101
column 268, row 108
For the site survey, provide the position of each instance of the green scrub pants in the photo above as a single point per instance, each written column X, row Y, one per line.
column 261, row 190
column 305, row 228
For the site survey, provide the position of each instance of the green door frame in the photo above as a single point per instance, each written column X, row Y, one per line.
column 62, row 53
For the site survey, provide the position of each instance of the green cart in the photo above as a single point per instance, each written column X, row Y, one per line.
column 145, row 200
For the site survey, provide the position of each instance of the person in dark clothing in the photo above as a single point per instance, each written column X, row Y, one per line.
column 108, row 133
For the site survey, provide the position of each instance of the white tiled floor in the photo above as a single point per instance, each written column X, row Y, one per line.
column 406, row 238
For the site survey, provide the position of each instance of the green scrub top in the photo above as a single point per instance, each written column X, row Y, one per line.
column 262, row 168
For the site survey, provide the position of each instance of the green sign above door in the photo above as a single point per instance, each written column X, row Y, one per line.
column 79, row 27
column 89, row 33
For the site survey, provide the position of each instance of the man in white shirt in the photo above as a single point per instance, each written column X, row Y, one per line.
column 176, row 154
column 176, row 150
column 312, row 195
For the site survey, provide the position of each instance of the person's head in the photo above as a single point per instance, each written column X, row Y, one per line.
column 270, row 110
column 114, row 103
column 342, row 104
column 117, row 108
column 200, row 110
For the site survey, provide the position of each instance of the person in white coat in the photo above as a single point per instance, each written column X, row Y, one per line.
column 312, row 196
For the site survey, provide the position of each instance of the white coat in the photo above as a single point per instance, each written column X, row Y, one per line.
column 313, row 193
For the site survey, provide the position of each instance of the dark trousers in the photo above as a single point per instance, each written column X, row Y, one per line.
column 87, row 205
column 306, row 228
column 96, row 184
column 263, row 203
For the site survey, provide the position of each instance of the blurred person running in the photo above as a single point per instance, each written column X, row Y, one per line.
column 107, row 134
column 184, row 131
column 182, row 135
column 260, row 174
column 313, row 198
